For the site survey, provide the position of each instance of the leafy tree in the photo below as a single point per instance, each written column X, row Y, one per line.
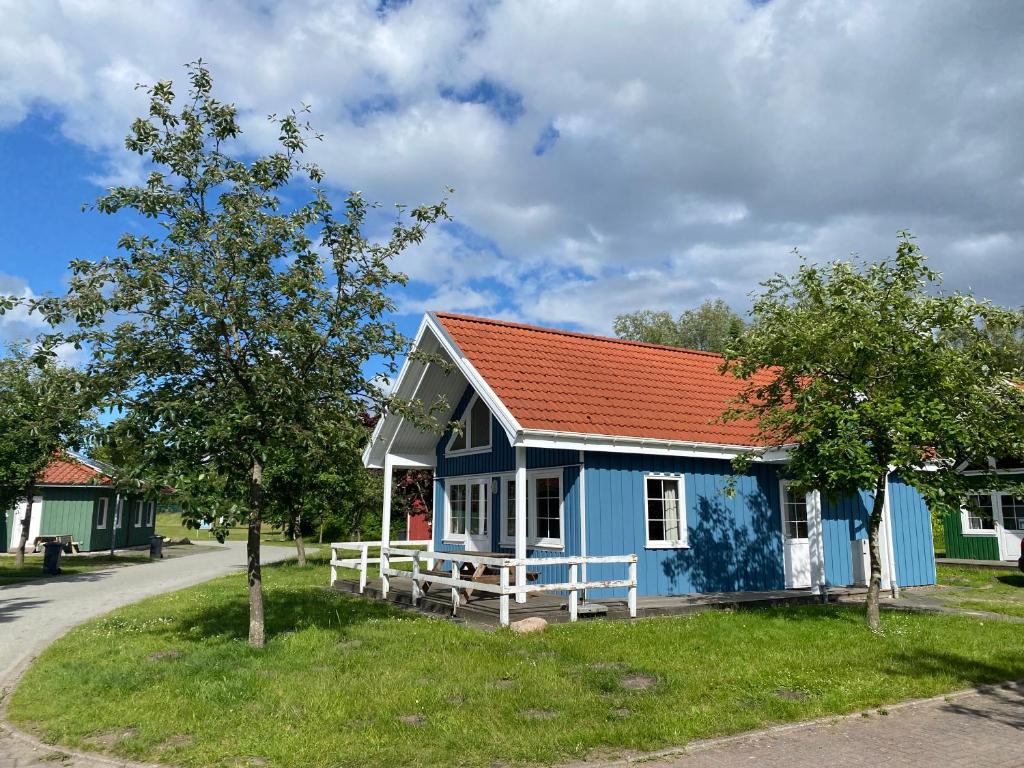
column 708, row 328
column 868, row 369
column 43, row 410
column 240, row 308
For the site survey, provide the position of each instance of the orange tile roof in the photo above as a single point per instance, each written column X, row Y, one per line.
column 67, row 470
column 571, row 382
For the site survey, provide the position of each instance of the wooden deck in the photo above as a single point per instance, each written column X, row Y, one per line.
column 482, row 609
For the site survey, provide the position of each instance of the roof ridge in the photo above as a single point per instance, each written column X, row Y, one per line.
column 576, row 334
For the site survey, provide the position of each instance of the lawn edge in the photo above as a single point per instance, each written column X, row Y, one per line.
column 703, row 745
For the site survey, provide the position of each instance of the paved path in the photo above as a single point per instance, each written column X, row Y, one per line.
column 34, row 614
column 983, row 729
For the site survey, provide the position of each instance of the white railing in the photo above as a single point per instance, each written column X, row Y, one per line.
column 505, row 567
column 362, row 562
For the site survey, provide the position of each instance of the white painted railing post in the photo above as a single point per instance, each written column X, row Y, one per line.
column 416, row 579
column 363, row 566
column 385, row 564
column 334, row 570
column 455, row 590
column 574, row 594
column 631, row 595
column 503, row 599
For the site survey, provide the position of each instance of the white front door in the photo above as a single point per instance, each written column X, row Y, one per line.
column 33, row 526
column 478, row 527
column 1010, row 514
column 796, row 544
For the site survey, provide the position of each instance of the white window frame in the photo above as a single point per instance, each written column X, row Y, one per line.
column 102, row 510
column 138, row 513
column 997, row 516
column 507, row 537
column 684, row 533
column 150, row 514
column 784, row 495
column 471, row 482
column 466, row 423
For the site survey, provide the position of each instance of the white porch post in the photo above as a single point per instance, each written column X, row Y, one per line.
column 520, row 520
column 816, row 535
column 385, row 524
column 890, row 550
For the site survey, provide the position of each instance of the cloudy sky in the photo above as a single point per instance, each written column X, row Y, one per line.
column 606, row 156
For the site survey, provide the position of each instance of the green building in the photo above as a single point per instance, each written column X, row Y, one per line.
column 990, row 526
column 75, row 497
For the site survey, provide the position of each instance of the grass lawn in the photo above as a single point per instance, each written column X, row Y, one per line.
column 983, row 589
column 169, row 524
column 347, row 682
column 33, row 568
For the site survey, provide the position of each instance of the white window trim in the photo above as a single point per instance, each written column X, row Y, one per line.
column 469, row 481
column 466, row 429
column 138, row 513
column 997, row 516
column 150, row 514
column 684, row 532
column 508, row 538
column 102, row 510
column 784, row 495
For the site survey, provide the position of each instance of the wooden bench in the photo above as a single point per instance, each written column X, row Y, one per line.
column 469, row 575
column 67, row 540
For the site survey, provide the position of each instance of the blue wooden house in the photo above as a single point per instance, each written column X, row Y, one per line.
column 620, row 450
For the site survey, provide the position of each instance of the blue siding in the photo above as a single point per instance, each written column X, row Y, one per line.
column 842, row 521
column 500, row 458
column 911, row 535
column 735, row 542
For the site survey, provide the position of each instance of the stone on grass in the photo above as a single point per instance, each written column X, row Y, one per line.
column 529, row 625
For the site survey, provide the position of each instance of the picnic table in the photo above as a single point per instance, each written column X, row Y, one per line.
column 481, row 573
column 66, row 540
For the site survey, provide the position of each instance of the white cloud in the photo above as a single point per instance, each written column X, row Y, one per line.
column 688, row 147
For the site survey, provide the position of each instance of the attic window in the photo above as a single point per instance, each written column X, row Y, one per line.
column 475, row 433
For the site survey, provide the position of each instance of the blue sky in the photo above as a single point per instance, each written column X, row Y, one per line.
column 605, row 157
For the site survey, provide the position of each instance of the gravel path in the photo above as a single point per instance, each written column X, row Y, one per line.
column 34, row 614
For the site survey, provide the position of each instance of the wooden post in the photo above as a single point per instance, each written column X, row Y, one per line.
column 385, row 526
column 573, row 593
column 520, row 520
column 631, row 595
column 416, row 578
column 455, row 590
column 503, row 600
column 334, row 570
column 363, row 565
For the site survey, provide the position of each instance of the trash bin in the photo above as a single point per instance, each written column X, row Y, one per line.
column 51, row 557
column 156, row 546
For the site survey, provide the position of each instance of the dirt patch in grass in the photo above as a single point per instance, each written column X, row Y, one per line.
column 161, row 655
column 416, row 721
column 790, row 694
column 112, row 737
column 538, row 714
column 638, row 682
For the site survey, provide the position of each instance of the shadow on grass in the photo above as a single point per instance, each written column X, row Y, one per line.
column 930, row 664
column 1011, row 579
column 287, row 608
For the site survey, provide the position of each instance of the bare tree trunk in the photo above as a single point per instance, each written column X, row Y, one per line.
column 257, row 630
column 300, row 545
column 26, row 523
column 875, row 582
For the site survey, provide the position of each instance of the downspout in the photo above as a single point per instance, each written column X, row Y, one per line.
column 889, row 546
column 583, row 518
